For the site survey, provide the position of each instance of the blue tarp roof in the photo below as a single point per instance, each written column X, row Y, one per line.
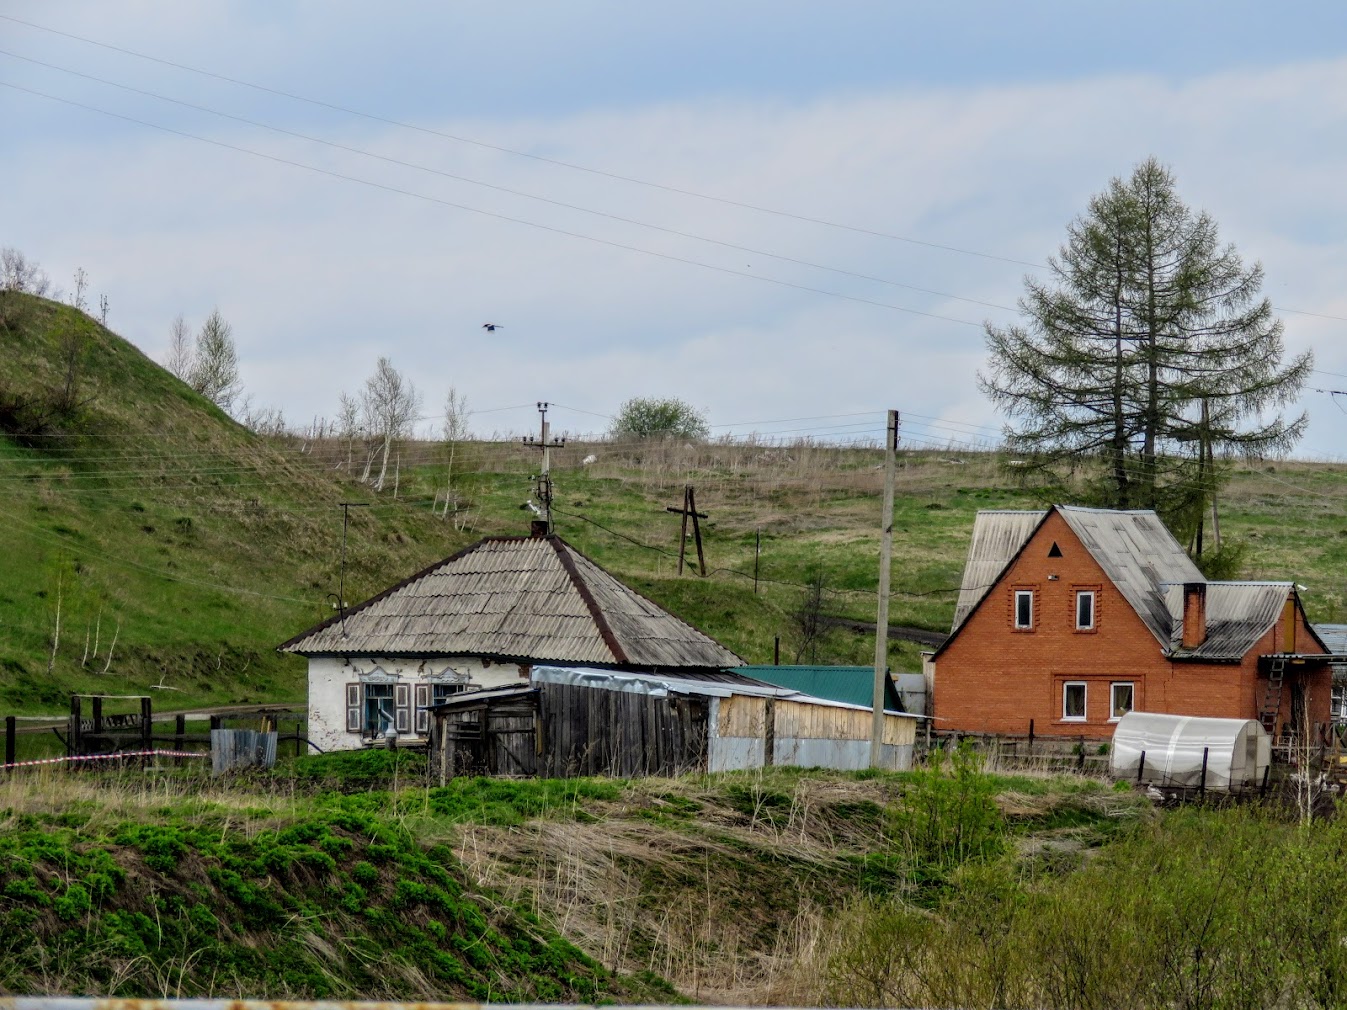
column 853, row 685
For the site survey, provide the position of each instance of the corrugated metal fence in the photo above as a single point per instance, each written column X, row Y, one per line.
column 241, row 748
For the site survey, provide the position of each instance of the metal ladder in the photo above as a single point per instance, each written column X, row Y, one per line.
column 1272, row 696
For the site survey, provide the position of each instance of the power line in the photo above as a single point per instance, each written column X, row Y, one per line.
column 460, row 139
column 724, row 201
column 491, row 214
column 751, row 250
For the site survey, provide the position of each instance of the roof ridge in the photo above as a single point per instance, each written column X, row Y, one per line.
column 595, row 611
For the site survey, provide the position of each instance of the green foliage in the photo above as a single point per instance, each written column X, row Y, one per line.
column 1226, row 563
column 216, row 901
column 655, row 417
column 1195, row 908
column 949, row 814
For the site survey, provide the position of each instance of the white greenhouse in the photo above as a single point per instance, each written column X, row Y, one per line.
column 1222, row 755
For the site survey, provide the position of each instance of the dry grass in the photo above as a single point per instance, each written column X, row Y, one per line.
column 668, row 895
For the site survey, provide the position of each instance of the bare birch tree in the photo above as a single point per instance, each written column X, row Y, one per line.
column 389, row 403
column 454, row 430
column 348, row 424
column 181, row 356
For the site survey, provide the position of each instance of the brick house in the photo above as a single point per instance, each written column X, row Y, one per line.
column 1068, row 618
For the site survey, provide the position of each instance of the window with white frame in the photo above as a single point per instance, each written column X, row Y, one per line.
column 1073, row 701
column 1024, row 608
column 1122, row 698
column 1085, row 610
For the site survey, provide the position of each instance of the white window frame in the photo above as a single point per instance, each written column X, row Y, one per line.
column 1020, row 594
column 1082, row 593
column 1112, row 705
column 1084, row 700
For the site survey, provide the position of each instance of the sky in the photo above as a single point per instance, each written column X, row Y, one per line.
column 791, row 215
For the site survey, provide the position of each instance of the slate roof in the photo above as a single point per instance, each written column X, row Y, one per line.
column 1138, row 554
column 1147, row 565
column 535, row 599
column 1238, row 615
column 998, row 536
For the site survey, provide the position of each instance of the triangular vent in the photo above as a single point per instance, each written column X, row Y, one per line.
column 1054, row 551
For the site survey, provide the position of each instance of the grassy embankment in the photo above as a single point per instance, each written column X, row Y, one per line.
column 349, row 876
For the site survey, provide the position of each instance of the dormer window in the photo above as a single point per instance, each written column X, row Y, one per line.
column 1024, row 608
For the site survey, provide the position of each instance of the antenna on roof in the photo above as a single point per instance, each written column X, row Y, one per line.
column 543, row 482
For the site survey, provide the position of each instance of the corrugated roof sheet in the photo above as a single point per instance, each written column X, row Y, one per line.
column 853, row 685
column 1138, row 554
column 1238, row 615
column 1334, row 637
column 998, row 536
column 530, row 598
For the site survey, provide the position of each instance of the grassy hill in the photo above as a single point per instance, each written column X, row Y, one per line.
column 179, row 548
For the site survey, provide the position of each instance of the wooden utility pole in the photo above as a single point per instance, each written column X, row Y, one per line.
column 882, row 618
column 346, row 507
column 689, row 510
column 544, row 481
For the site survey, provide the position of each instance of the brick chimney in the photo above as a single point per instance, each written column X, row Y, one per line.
column 1194, row 614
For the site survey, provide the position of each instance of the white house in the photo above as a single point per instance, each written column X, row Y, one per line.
column 482, row 618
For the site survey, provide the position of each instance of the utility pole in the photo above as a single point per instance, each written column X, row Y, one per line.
column 757, row 557
column 346, row 507
column 689, row 510
column 543, row 487
column 882, row 618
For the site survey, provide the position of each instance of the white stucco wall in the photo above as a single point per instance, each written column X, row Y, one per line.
column 329, row 675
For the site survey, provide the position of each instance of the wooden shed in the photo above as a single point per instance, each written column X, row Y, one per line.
column 604, row 722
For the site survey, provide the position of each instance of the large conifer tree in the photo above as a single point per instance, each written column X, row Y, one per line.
column 1149, row 347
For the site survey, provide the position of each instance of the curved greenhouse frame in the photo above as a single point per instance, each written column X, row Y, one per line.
column 1167, row 750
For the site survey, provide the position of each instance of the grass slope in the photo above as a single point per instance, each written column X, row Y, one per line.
column 148, row 517
column 348, row 876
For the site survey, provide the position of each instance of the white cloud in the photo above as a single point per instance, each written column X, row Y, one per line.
column 319, row 276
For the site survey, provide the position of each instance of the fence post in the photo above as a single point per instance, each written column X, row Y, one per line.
column 1031, row 737
column 1267, row 770
column 1080, row 756
column 299, row 738
column 1141, row 767
column 75, row 738
column 146, row 738
column 179, row 729
column 9, row 739
column 1202, row 786
column 98, row 715
column 216, row 722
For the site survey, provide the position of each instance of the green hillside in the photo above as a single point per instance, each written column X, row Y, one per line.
column 179, row 548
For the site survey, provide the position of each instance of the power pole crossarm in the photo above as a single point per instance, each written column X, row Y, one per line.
column 546, row 444
column 882, row 619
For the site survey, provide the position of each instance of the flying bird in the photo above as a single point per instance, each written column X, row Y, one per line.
column 491, row 327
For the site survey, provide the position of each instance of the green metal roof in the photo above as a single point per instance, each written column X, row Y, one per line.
column 853, row 685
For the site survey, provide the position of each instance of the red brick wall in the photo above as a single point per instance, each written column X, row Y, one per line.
column 994, row 678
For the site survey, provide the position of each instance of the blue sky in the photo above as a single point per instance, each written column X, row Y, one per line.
column 981, row 126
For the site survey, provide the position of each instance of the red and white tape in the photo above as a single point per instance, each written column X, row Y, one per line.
column 106, row 757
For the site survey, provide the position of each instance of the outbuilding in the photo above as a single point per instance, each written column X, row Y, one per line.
column 1222, row 755
column 570, row 721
